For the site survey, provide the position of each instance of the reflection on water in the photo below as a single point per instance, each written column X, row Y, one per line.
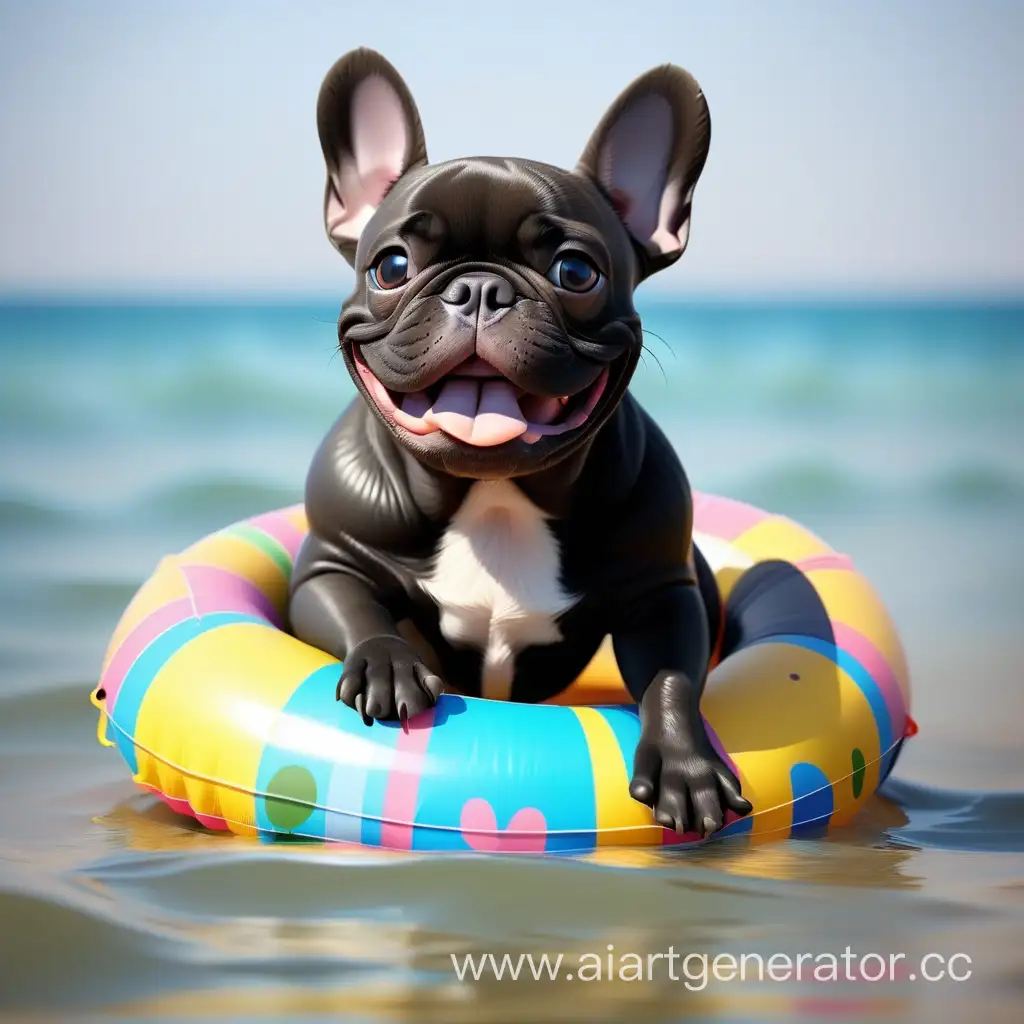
column 116, row 449
column 151, row 917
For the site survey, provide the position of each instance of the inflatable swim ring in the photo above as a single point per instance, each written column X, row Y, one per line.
column 230, row 719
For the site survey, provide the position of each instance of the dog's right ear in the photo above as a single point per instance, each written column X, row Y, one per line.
column 370, row 134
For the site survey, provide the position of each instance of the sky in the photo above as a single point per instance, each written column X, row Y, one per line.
column 857, row 147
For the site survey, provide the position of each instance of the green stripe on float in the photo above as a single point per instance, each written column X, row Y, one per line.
column 267, row 544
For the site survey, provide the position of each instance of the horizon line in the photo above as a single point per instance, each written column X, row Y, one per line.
column 97, row 298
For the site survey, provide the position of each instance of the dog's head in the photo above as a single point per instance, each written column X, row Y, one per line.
column 492, row 326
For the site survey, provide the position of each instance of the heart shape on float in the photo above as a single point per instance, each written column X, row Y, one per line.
column 526, row 831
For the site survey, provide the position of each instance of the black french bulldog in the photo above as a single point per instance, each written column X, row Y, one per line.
column 495, row 502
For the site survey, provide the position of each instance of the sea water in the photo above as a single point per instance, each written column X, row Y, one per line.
column 893, row 430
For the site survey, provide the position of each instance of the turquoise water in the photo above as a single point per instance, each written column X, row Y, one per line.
column 894, row 431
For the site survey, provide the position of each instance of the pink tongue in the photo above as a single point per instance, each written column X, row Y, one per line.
column 478, row 412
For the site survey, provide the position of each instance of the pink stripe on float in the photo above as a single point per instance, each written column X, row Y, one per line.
column 218, row 590
column 279, row 526
column 669, row 837
column 138, row 640
column 403, row 785
column 672, row 838
column 723, row 517
column 831, row 560
column 864, row 651
column 180, row 806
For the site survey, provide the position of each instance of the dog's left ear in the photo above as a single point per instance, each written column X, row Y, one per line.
column 646, row 154
column 370, row 134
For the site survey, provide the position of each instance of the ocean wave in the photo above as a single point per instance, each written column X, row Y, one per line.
column 220, row 390
column 957, row 820
column 30, row 408
column 210, row 501
column 46, row 718
column 182, row 502
column 29, row 514
column 803, row 485
column 98, row 597
column 778, row 383
column 973, row 485
column 178, row 366
column 823, row 486
column 229, row 499
column 87, row 946
column 303, row 389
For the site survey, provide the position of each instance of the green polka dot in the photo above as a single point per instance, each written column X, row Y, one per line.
column 291, row 795
column 858, row 772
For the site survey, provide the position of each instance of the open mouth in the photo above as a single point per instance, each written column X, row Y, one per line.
column 475, row 404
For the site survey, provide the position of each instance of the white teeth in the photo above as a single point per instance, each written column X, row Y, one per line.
column 564, row 399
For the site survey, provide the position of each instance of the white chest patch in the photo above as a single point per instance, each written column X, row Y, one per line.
column 496, row 580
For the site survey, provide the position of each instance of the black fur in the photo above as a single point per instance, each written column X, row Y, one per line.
column 380, row 497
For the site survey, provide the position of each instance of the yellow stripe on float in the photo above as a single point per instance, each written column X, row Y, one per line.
column 164, row 586
column 297, row 517
column 779, row 538
column 614, row 807
column 774, row 705
column 772, row 796
column 208, row 714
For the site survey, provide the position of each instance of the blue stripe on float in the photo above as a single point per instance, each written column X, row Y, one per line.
column 865, row 683
column 344, row 818
column 145, row 668
column 813, row 800
column 315, row 693
column 512, row 756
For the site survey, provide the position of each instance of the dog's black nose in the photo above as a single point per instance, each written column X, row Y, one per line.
column 479, row 295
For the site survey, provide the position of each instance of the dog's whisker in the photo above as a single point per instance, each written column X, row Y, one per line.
column 661, row 339
column 654, row 356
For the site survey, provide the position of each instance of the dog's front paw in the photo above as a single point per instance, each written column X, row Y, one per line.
column 384, row 677
column 676, row 771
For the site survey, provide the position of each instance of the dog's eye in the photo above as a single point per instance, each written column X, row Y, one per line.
column 574, row 273
column 390, row 271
